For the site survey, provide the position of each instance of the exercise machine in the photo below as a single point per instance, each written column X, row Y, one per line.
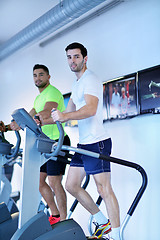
column 9, row 212
column 8, row 209
column 39, row 149
column 8, row 154
column 6, row 195
column 123, row 163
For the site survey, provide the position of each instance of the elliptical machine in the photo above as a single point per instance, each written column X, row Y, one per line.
column 38, row 149
column 6, row 195
column 8, row 209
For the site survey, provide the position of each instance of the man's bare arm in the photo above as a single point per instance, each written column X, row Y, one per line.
column 86, row 111
column 32, row 112
column 45, row 115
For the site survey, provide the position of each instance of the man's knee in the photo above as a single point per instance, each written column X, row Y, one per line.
column 55, row 183
column 68, row 187
column 72, row 188
column 41, row 185
column 104, row 190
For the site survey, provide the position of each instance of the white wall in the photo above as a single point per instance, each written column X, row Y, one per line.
column 137, row 140
column 121, row 41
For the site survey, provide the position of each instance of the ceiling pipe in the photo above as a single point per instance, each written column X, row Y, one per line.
column 63, row 13
column 81, row 22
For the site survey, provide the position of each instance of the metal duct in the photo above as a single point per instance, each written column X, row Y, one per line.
column 79, row 23
column 63, row 13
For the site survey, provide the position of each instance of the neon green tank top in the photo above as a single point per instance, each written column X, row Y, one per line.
column 50, row 94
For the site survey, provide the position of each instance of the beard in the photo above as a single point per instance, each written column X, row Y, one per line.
column 77, row 67
column 40, row 85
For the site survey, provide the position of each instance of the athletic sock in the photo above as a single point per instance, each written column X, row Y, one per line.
column 100, row 218
column 56, row 216
column 115, row 234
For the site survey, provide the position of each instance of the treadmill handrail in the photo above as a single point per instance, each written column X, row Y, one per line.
column 59, row 144
column 139, row 169
column 16, row 149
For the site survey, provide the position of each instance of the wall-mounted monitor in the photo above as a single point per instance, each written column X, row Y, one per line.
column 149, row 90
column 121, row 97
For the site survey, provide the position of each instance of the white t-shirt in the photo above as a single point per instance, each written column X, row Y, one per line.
column 116, row 99
column 91, row 129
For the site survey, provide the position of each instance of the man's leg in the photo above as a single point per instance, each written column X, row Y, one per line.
column 56, row 185
column 73, row 186
column 47, row 194
column 103, row 182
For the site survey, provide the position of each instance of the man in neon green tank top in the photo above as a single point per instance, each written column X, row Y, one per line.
column 50, row 97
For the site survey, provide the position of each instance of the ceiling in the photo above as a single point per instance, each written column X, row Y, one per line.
column 15, row 15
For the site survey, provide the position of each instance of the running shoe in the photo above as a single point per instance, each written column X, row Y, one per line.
column 53, row 220
column 101, row 230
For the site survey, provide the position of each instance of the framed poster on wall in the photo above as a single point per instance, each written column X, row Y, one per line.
column 121, row 97
column 149, row 90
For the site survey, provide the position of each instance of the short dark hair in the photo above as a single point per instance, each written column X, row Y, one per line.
column 38, row 66
column 79, row 46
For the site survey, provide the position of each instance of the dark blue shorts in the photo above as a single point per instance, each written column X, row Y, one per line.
column 55, row 168
column 93, row 165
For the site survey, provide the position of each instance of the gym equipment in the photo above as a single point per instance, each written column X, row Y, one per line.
column 7, row 205
column 124, row 163
column 8, row 159
column 7, row 155
column 38, row 149
column 10, row 155
column 32, row 224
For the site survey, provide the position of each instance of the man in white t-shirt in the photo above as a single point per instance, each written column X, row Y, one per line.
column 115, row 102
column 86, row 106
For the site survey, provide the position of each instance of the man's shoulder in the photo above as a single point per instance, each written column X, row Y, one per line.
column 93, row 80
column 53, row 89
column 88, row 72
